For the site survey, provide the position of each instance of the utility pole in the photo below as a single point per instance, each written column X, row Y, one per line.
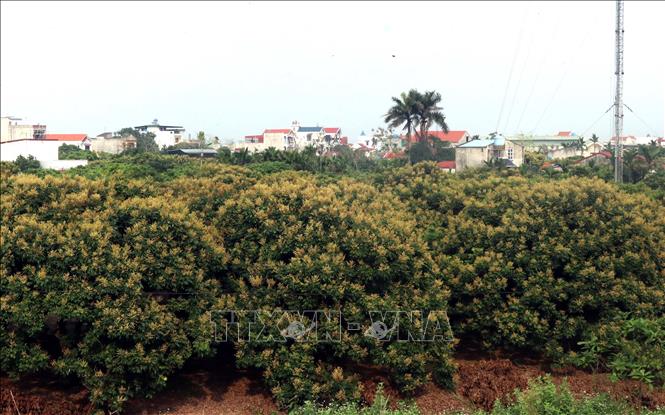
column 618, row 99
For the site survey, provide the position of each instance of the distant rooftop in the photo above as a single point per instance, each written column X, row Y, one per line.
column 477, row 143
column 309, row 129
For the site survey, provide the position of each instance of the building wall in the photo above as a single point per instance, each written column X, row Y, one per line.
column 466, row 158
column 518, row 152
column 62, row 164
column 471, row 157
column 276, row 140
column 115, row 145
column 561, row 153
column 4, row 129
column 11, row 130
column 165, row 138
column 39, row 149
column 465, row 139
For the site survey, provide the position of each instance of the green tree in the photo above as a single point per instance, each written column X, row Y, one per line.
column 403, row 113
column 594, row 139
column 27, row 164
column 581, row 145
column 429, row 113
column 145, row 142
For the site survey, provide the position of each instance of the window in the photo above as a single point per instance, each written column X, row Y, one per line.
column 510, row 153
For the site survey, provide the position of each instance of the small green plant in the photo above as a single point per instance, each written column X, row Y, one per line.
column 543, row 397
column 378, row 407
column 631, row 349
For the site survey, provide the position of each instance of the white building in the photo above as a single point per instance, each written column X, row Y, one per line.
column 476, row 153
column 11, row 130
column 634, row 141
column 165, row 135
column 39, row 149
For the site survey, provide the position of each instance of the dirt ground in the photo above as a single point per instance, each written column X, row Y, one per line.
column 201, row 391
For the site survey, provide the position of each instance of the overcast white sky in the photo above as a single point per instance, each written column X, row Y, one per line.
column 232, row 69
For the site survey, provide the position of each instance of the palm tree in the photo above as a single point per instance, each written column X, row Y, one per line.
column 428, row 113
column 403, row 113
column 271, row 154
column 580, row 144
column 416, row 111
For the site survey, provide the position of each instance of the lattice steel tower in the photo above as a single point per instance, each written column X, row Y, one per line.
column 618, row 99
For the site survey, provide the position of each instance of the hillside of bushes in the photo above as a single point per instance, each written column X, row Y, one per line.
column 112, row 273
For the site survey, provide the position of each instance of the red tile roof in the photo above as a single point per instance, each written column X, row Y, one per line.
column 451, row 137
column 446, row 164
column 277, row 131
column 605, row 154
column 392, row 155
column 331, row 130
column 255, row 138
column 344, row 141
column 66, row 137
column 565, row 133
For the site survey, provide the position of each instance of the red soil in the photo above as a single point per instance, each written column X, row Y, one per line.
column 202, row 391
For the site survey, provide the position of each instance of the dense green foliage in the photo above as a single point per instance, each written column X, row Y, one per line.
column 632, row 348
column 72, row 152
column 111, row 289
column 296, row 245
column 533, row 266
column 110, row 271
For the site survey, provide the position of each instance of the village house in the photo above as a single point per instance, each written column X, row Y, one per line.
column 11, row 130
column 294, row 138
column 455, row 138
column 634, row 141
column 602, row 157
column 165, row 135
column 112, row 143
column 79, row 140
column 476, row 153
column 40, row 149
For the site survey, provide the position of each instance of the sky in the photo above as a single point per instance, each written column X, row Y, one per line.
column 234, row 69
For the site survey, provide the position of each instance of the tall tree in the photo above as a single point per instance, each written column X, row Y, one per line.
column 416, row 112
column 403, row 113
column 428, row 113
column 580, row 144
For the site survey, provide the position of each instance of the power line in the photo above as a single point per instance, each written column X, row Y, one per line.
column 535, row 80
column 566, row 70
column 596, row 122
column 651, row 129
column 519, row 82
column 512, row 67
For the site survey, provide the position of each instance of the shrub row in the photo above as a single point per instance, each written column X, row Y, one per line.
column 535, row 265
column 114, row 283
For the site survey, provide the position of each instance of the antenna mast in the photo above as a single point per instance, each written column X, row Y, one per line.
column 618, row 100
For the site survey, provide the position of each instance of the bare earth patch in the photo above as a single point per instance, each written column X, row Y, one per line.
column 202, row 391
